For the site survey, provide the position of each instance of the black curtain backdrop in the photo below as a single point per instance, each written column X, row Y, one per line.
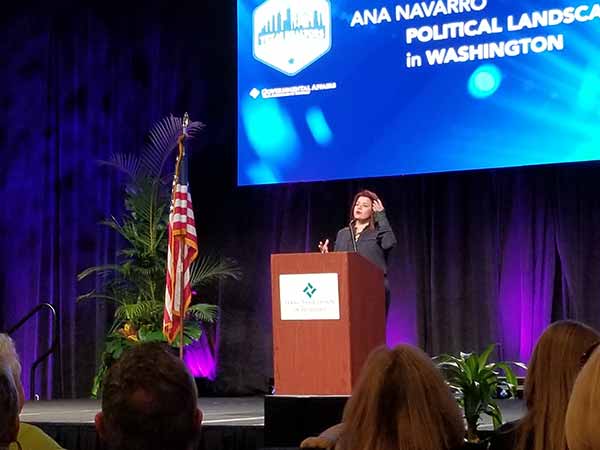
column 488, row 256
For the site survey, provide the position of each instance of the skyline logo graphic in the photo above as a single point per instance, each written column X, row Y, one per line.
column 289, row 35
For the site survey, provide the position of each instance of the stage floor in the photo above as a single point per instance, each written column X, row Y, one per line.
column 234, row 411
column 238, row 411
column 230, row 423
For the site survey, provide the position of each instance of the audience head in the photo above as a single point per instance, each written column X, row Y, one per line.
column 10, row 359
column 554, row 365
column 401, row 401
column 9, row 407
column 583, row 417
column 149, row 401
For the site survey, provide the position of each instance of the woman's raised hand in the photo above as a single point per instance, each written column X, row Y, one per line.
column 324, row 246
column 377, row 205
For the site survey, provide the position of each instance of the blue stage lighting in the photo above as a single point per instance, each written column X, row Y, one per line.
column 318, row 126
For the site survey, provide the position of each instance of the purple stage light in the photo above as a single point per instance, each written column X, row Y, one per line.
column 200, row 358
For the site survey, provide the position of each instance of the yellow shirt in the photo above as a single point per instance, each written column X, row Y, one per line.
column 32, row 438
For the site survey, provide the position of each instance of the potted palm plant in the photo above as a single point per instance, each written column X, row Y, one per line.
column 475, row 382
column 135, row 283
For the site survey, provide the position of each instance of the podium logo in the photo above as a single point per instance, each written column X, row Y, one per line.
column 290, row 35
column 309, row 290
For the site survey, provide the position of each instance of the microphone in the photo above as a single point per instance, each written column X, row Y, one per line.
column 351, row 228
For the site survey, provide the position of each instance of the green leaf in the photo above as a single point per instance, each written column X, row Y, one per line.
column 208, row 269
column 124, row 162
column 192, row 330
column 99, row 270
column 151, row 335
column 203, row 312
column 191, row 333
column 511, row 379
column 520, row 365
column 471, row 366
column 116, row 346
column 98, row 379
column 140, row 312
column 163, row 140
column 486, row 354
column 448, row 359
column 94, row 294
column 494, row 412
column 476, row 381
column 116, row 226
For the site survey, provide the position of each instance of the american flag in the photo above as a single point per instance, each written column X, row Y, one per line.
column 182, row 250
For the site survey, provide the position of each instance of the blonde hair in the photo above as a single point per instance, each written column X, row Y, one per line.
column 554, row 365
column 9, row 359
column 9, row 356
column 582, row 421
column 401, row 402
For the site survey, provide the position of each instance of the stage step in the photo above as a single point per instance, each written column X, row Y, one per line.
column 289, row 419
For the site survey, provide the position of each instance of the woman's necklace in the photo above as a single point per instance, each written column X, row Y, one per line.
column 358, row 229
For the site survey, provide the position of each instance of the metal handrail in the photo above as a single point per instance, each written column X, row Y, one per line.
column 48, row 352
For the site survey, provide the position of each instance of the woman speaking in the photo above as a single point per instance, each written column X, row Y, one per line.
column 369, row 234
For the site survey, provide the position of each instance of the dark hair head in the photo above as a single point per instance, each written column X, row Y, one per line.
column 364, row 193
column 149, row 401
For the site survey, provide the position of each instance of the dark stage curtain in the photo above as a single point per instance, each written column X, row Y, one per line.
column 482, row 257
column 79, row 83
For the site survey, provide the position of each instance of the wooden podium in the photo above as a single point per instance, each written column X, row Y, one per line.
column 324, row 357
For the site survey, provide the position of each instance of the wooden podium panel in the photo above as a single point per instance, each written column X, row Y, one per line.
column 324, row 357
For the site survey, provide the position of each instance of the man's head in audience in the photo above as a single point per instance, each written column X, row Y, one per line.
column 149, row 401
column 9, row 406
column 10, row 360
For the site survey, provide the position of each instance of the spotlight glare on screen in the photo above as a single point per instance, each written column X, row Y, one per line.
column 485, row 81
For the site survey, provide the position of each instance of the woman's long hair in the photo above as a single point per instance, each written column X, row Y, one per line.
column 582, row 421
column 555, row 363
column 401, row 402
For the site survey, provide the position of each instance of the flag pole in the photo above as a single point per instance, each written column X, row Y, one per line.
column 182, row 249
column 185, row 123
column 181, row 313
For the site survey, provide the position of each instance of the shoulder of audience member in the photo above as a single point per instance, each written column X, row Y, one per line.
column 33, row 438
